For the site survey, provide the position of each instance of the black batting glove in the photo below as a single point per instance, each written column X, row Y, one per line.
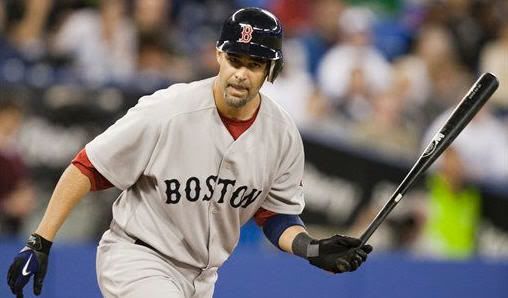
column 31, row 260
column 336, row 254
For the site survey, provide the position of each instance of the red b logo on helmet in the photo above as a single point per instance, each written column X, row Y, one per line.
column 246, row 33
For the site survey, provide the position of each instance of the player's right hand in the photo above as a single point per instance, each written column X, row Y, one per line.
column 32, row 260
column 339, row 254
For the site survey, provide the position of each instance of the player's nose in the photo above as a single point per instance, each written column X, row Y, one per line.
column 241, row 73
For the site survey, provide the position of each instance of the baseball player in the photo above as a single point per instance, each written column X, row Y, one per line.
column 195, row 162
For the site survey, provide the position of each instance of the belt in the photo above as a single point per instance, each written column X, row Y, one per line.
column 143, row 243
column 115, row 228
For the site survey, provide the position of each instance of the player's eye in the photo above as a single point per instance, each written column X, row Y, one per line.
column 233, row 60
column 255, row 65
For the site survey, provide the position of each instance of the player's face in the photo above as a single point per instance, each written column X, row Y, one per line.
column 240, row 77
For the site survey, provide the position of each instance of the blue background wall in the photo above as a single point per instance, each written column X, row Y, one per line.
column 255, row 271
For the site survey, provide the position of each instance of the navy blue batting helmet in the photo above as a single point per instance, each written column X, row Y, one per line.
column 255, row 32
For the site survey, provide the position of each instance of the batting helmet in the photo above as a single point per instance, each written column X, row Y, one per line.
column 255, row 32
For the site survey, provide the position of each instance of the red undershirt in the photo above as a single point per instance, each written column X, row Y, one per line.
column 99, row 182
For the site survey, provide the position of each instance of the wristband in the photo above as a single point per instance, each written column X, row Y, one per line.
column 305, row 246
column 38, row 243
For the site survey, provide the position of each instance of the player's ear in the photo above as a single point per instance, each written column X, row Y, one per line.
column 218, row 55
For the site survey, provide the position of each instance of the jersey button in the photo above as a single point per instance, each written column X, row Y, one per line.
column 214, row 210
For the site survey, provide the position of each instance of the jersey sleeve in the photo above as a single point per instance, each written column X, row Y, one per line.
column 97, row 181
column 123, row 152
column 286, row 193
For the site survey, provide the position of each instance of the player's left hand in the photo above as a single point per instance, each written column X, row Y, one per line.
column 32, row 260
column 339, row 254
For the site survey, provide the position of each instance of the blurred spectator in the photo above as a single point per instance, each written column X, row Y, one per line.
column 322, row 33
column 102, row 43
column 411, row 82
column 157, row 65
column 494, row 59
column 388, row 129
column 26, row 27
column 482, row 146
column 152, row 16
column 431, row 78
column 470, row 24
column 454, row 208
column 152, row 56
column 353, row 71
column 196, row 24
column 205, row 62
column 294, row 88
column 466, row 30
column 16, row 194
column 158, row 58
column 294, row 15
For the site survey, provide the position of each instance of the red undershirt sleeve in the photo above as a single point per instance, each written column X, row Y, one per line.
column 262, row 215
column 97, row 181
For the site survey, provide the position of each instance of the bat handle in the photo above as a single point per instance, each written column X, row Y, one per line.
column 380, row 217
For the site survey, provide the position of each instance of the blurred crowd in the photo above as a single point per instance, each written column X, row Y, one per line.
column 384, row 73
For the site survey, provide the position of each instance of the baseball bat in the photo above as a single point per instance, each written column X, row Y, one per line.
column 472, row 102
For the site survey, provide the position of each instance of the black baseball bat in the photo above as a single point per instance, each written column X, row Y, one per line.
column 472, row 102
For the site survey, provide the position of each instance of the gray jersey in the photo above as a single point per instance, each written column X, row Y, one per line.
column 188, row 186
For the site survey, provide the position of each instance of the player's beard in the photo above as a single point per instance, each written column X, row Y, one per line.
column 237, row 101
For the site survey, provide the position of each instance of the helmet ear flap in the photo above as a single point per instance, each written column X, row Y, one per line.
column 275, row 69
